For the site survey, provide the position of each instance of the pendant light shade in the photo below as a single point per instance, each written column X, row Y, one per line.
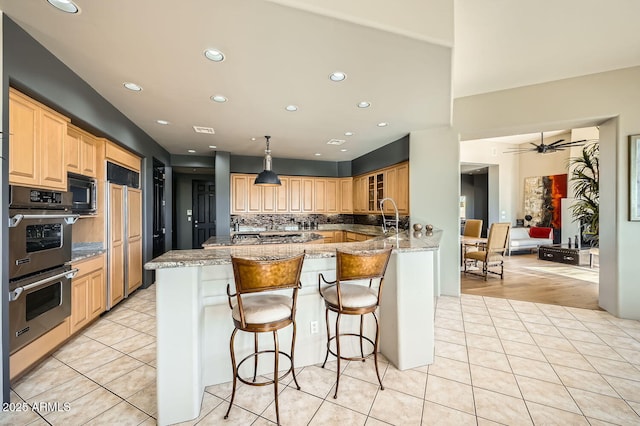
column 267, row 177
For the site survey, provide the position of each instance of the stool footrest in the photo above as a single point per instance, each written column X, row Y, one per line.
column 270, row 382
column 355, row 358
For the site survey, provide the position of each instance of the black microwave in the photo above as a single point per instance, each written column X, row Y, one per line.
column 84, row 192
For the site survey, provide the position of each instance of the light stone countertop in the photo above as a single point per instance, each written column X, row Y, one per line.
column 403, row 242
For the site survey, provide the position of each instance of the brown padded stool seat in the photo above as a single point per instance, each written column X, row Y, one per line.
column 256, row 309
column 344, row 297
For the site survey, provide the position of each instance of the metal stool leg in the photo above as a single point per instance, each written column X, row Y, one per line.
column 275, row 373
column 235, row 371
column 293, row 346
column 255, row 357
column 338, row 354
column 326, row 321
column 361, row 334
column 375, row 350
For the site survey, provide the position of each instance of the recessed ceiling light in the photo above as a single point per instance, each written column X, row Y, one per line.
column 337, row 76
column 348, row 133
column 163, row 122
column 132, row 86
column 64, row 5
column 383, row 124
column 219, row 98
column 214, row 55
column 317, row 154
column 364, row 104
column 253, row 139
column 192, row 151
column 291, row 108
column 212, row 146
column 343, row 150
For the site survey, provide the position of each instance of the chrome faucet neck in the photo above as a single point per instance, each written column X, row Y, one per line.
column 395, row 208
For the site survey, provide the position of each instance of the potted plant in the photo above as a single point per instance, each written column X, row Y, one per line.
column 585, row 176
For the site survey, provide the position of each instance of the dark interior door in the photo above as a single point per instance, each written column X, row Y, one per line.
column 158, row 208
column 204, row 212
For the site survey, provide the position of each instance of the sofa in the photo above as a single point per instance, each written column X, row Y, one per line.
column 529, row 238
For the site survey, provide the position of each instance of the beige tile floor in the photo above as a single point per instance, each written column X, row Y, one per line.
column 497, row 361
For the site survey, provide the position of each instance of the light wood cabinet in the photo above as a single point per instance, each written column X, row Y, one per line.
column 254, row 204
column 116, row 244
column 307, row 194
column 88, row 291
column 346, row 195
column 239, row 193
column 134, row 239
column 392, row 182
column 319, row 196
column 332, row 196
column 81, row 152
column 36, row 144
column 118, row 155
column 282, row 196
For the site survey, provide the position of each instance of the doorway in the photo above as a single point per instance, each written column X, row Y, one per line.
column 204, row 211
column 159, row 205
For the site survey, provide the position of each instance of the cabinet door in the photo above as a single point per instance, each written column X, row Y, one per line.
column 346, row 195
column 239, row 194
column 269, row 199
column 88, row 156
column 371, row 193
column 72, row 150
column 24, row 125
column 402, row 188
column 116, row 244
column 295, row 195
column 79, row 306
column 307, row 195
column 390, row 188
column 53, row 131
column 96, row 303
column 134, row 239
column 331, row 196
column 319, row 195
column 282, row 196
column 255, row 197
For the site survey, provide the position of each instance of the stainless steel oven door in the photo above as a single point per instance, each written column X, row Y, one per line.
column 37, row 304
column 38, row 240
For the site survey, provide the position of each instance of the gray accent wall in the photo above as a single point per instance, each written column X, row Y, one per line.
column 34, row 70
column 388, row 155
column 284, row 166
column 223, row 193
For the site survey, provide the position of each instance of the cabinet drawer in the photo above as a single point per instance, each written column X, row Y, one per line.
column 88, row 265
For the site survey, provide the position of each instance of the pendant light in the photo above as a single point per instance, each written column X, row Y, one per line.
column 267, row 177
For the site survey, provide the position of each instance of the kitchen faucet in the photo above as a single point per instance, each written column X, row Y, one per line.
column 395, row 208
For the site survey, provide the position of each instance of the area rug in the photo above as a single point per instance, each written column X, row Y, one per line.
column 592, row 276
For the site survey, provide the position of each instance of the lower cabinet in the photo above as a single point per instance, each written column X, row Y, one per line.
column 88, row 292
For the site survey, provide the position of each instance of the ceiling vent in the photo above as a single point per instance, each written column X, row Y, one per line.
column 207, row 130
column 336, row 141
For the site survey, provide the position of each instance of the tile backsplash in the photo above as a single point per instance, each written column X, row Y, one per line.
column 282, row 221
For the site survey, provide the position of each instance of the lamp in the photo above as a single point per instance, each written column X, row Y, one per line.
column 267, row 177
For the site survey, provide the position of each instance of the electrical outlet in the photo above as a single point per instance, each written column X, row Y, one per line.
column 314, row 327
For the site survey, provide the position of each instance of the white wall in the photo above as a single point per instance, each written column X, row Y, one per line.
column 504, row 207
column 434, row 187
column 612, row 98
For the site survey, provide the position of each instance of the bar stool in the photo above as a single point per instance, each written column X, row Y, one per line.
column 260, row 313
column 346, row 298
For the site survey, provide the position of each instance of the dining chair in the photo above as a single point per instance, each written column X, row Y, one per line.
column 492, row 254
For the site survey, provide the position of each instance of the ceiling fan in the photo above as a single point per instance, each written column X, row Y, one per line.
column 543, row 148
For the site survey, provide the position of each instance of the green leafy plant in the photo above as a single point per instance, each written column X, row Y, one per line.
column 585, row 177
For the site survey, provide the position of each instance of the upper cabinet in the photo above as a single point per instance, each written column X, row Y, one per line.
column 81, row 152
column 36, row 144
column 301, row 194
column 390, row 182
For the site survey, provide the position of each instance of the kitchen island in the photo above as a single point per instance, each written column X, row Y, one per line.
column 194, row 320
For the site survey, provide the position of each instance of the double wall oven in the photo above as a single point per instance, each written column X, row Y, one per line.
column 39, row 255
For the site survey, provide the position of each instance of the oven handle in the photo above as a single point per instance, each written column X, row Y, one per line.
column 70, row 219
column 15, row 294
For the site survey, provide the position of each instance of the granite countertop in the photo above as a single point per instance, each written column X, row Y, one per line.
column 81, row 251
column 360, row 229
column 403, row 242
column 253, row 238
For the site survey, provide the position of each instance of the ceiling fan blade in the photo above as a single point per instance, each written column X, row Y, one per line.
column 556, row 142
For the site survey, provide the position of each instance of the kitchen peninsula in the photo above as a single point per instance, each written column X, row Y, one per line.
column 194, row 320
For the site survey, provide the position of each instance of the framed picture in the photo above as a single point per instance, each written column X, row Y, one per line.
column 634, row 178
